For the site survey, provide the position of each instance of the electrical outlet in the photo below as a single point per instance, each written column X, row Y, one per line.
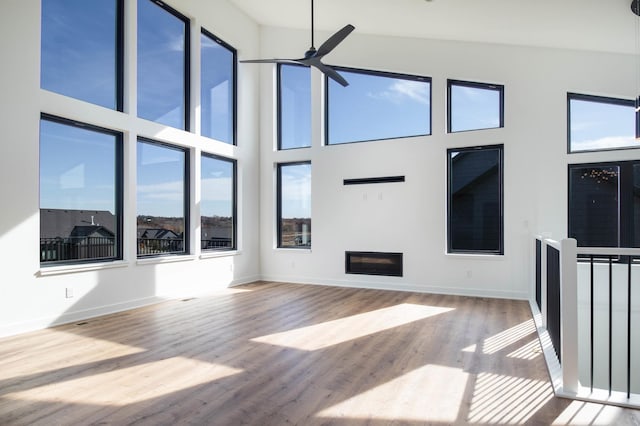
column 68, row 292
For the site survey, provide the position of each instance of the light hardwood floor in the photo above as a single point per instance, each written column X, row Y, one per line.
column 278, row 354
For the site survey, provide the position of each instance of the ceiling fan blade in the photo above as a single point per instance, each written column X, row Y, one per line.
column 334, row 40
column 270, row 61
column 331, row 73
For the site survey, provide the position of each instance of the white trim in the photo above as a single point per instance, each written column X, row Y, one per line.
column 69, row 317
column 400, row 286
column 80, row 267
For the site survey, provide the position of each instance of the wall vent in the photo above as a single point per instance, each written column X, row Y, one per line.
column 381, row 179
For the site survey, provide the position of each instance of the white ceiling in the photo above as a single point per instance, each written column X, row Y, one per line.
column 601, row 25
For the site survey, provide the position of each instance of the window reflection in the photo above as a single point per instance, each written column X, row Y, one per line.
column 597, row 123
column 79, row 207
column 161, row 199
column 475, row 200
column 79, row 50
column 217, row 94
column 377, row 105
column 162, row 61
column 294, row 209
column 294, row 102
column 217, row 206
column 474, row 106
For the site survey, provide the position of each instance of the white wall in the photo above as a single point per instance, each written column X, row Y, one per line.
column 410, row 217
column 32, row 297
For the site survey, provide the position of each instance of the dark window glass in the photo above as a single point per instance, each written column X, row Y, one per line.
column 475, row 200
column 598, row 123
column 377, row 105
column 294, row 106
column 81, row 50
column 474, row 106
column 80, row 192
column 593, row 205
column 217, row 205
column 604, row 204
column 163, row 46
column 162, row 199
column 218, row 89
column 294, row 205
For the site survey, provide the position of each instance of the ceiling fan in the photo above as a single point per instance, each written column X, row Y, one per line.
column 313, row 57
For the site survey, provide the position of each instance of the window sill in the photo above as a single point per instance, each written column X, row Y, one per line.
column 293, row 250
column 472, row 256
column 220, row 253
column 69, row 269
column 165, row 259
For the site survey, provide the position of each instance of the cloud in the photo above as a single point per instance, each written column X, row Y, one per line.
column 605, row 143
column 402, row 90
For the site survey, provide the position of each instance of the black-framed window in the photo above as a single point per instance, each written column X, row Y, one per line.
column 218, row 203
column 82, row 50
column 475, row 200
column 474, row 106
column 162, row 199
column 163, row 64
column 294, row 106
column 218, row 89
column 80, row 192
column 294, row 205
column 598, row 123
column 604, row 204
column 376, row 105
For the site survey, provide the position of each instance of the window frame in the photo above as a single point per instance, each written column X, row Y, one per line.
column 234, row 54
column 119, row 60
column 473, row 85
column 625, row 197
column 186, row 202
column 118, row 187
column 500, row 250
column 234, row 201
column 376, row 73
column 279, row 206
column 603, row 100
column 279, row 108
column 186, row 98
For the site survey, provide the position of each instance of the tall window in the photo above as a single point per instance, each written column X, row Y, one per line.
column 597, row 123
column 82, row 51
column 475, row 200
column 217, row 89
column 604, row 204
column 294, row 205
column 474, row 106
column 377, row 105
column 80, row 192
column 163, row 212
column 163, row 64
column 218, row 203
column 294, row 106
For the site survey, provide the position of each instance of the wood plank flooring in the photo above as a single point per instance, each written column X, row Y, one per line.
column 279, row 354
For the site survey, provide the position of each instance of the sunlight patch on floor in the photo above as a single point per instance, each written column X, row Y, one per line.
column 584, row 413
column 507, row 337
column 500, row 399
column 152, row 380
column 334, row 332
column 89, row 350
column 414, row 394
column 528, row 352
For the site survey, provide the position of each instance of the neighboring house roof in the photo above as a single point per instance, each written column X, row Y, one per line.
column 210, row 232
column 63, row 223
column 91, row 231
column 472, row 167
column 157, row 234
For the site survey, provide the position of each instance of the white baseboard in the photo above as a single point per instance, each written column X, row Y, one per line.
column 389, row 285
column 73, row 316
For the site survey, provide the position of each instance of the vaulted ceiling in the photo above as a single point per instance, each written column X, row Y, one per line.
column 600, row 25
